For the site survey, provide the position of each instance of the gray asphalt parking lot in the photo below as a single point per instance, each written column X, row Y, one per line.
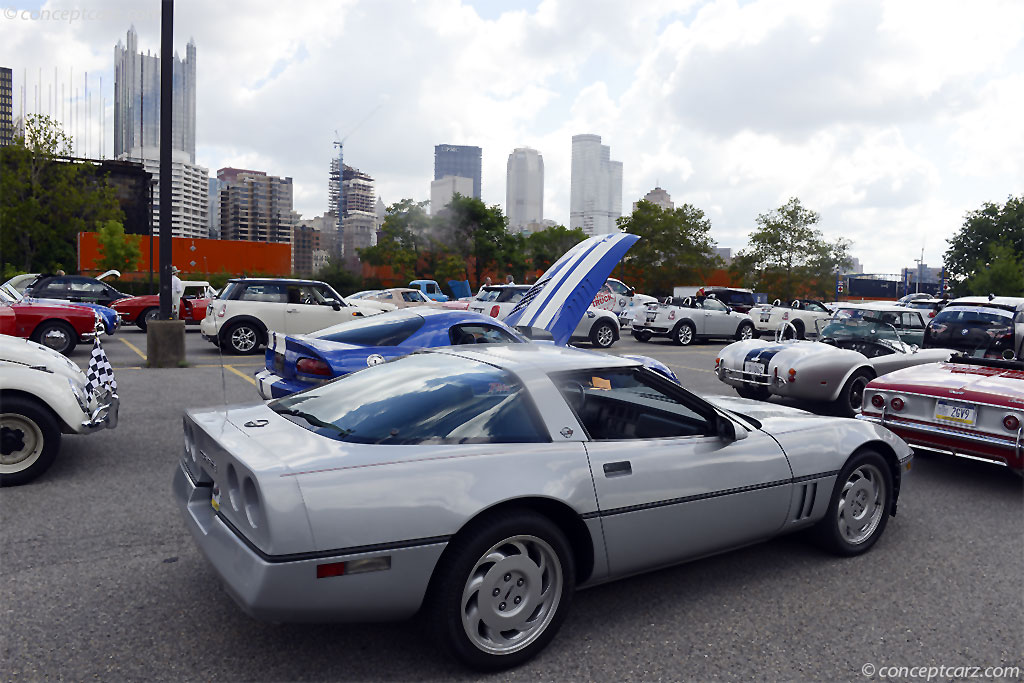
column 101, row 579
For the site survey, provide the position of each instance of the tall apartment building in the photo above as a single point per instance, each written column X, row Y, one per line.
column 189, row 190
column 442, row 191
column 6, row 106
column 524, row 188
column 463, row 161
column 658, row 197
column 137, row 99
column 595, row 192
column 359, row 224
column 214, row 185
column 255, row 206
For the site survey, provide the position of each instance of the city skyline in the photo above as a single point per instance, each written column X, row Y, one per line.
column 731, row 107
column 595, row 200
column 524, row 188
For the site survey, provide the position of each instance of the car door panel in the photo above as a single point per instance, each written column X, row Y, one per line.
column 687, row 497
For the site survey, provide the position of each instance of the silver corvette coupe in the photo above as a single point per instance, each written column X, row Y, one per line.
column 481, row 486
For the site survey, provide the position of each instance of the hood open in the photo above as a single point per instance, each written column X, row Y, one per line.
column 562, row 295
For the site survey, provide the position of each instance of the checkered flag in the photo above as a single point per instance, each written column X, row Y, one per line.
column 100, row 374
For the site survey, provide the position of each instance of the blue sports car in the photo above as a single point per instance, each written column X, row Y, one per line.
column 551, row 309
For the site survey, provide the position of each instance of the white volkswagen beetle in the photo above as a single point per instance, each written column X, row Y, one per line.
column 43, row 395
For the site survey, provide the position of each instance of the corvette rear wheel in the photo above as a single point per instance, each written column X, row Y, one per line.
column 860, row 505
column 684, row 334
column 502, row 590
column 29, row 440
column 602, row 335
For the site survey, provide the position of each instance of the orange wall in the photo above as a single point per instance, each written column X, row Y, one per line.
column 201, row 256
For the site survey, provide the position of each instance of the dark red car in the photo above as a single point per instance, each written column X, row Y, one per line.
column 192, row 309
column 52, row 325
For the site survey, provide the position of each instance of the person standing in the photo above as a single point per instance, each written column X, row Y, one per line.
column 509, row 280
column 177, row 290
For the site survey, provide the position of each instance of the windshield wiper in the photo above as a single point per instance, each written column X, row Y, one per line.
column 314, row 420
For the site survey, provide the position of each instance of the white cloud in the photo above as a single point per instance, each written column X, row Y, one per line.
column 892, row 119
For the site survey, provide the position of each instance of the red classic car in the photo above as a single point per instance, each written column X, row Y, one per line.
column 970, row 407
column 192, row 309
column 55, row 326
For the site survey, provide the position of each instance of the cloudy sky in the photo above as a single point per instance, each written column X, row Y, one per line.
column 891, row 119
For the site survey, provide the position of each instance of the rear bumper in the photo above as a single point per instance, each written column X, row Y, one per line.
column 975, row 446
column 286, row 588
column 272, row 385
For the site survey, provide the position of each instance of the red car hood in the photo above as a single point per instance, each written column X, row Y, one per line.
column 957, row 380
column 145, row 299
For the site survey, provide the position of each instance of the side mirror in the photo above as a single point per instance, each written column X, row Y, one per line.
column 335, row 305
column 726, row 430
column 631, row 291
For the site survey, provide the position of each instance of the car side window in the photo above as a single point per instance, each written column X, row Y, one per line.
column 479, row 334
column 913, row 321
column 714, row 305
column 85, row 287
column 431, row 288
column 57, row 287
column 266, row 293
column 617, row 287
column 628, row 403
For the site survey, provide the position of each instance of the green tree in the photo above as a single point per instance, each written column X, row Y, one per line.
column 1001, row 272
column 475, row 232
column 46, row 200
column 983, row 229
column 404, row 232
column 546, row 246
column 117, row 250
column 788, row 257
column 343, row 280
column 675, row 248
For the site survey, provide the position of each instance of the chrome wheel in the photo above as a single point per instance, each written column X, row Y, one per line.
column 604, row 336
column 855, row 396
column 684, row 334
column 58, row 337
column 746, row 332
column 21, row 443
column 862, row 503
column 243, row 338
column 511, row 595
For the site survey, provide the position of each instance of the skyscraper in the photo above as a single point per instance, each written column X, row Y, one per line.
column 658, row 197
column 6, row 107
column 462, row 161
column 359, row 222
column 524, row 188
column 137, row 100
column 595, row 193
column 442, row 191
column 255, row 206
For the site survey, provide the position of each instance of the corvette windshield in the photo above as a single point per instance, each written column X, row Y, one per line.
column 421, row 399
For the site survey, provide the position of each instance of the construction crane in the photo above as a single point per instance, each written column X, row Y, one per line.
column 339, row 142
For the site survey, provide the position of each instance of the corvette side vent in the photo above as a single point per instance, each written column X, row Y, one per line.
column 805, row 501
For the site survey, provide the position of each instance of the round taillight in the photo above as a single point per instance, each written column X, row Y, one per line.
column 671, row 315
column 1011, row 422
column 877, row 401
column 897, row 404
column 494, row 311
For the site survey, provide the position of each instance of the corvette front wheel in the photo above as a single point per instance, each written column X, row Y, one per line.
column 860, row 505
column 502, row 590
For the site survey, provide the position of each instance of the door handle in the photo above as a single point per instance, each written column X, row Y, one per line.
column 617, row 469
column 291, row 310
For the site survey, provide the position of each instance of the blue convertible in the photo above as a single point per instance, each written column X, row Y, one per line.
column 552, row 308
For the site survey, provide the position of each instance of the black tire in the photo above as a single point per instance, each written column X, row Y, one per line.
column 684, row 334
column 504, row 534
column 56, row 335
column 755, row 393
column 242, row 338
column 860, row 505
column 602, row 335
column 145, row 316
column 852, row 395
column 643, row 337
column 798, row 325
column 745, row 331
column 29, row 440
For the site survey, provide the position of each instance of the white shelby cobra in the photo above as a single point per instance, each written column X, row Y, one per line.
column 44, row 395
column 848, row 354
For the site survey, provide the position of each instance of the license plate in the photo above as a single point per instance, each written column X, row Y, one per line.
column 753, row 368
column 651, row 317
column 964, row 414
column 765, row 317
